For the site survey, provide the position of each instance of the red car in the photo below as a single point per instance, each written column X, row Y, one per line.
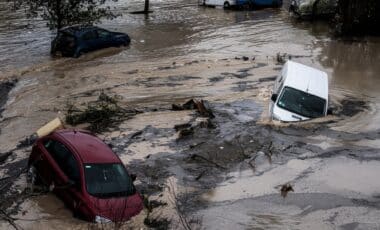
column 86, row 174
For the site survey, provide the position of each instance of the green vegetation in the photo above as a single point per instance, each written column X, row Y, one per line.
column 60, row 13
column 100, row 115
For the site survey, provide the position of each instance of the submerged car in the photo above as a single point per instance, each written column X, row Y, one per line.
column 241, row 3
column 86, row 174
column 300, row 93
column 313, row 8
column 75, row 40
column 263, row 3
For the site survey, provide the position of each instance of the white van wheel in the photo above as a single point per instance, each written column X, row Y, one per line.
column 226, row 5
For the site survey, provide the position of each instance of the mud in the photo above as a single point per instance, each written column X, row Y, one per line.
column 350, row 107
column 238, row 149
column 5, row 88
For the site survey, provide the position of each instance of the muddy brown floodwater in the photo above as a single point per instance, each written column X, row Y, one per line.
column 227, row 175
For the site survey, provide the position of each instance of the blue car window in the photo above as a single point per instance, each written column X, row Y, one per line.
column 103, row 33
column 90, row 35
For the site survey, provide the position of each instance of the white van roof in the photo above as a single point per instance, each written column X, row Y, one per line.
column 306, row 79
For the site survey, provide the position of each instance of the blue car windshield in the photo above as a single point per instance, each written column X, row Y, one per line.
column 108, row 180
column 302, row 103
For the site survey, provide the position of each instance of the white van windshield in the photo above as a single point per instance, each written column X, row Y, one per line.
column 302, row 103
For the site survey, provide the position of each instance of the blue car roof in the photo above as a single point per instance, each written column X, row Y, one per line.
column 77, row 30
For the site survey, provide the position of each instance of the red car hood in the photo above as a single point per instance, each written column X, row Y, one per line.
column 118, row 209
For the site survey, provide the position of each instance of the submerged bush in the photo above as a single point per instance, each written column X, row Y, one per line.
column 100, row 115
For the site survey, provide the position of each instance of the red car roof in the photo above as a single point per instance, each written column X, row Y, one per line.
column 89, row 147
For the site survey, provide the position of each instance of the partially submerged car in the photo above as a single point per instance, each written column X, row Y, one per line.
column 86, row 174
column 75, row 40
column 241, row 3
column 300, row 93
column 313, row 8
column 225, row 3
column 263, row 3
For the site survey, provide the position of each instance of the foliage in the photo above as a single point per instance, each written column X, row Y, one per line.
column 101, row 114
column 60, row 13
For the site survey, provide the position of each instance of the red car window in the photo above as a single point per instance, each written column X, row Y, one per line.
column 64, row 158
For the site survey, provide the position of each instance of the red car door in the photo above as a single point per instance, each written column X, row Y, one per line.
column 47, row 167
column 66, row 173
column 74, row 192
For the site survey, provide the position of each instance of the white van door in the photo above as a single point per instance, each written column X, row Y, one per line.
column 278, row 85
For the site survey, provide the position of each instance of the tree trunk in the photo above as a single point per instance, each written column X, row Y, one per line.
column 59, row 14
column 146, row 7
column 315, row 8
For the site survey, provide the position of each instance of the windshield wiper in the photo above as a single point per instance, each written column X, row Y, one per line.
column 296, row 117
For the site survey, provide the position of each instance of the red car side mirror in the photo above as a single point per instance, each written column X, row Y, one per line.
column 133, row 177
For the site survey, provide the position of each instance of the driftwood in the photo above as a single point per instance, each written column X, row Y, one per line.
column 193, row 156
column 201, row 107
column 9, row 219
column 200, row 175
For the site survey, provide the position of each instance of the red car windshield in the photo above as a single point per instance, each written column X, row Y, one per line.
column 108, row 180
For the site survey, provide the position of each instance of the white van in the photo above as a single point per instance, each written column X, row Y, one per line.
column 300, row 93
column 224, row 3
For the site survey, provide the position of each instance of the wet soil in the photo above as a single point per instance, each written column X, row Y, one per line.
column 5, row 88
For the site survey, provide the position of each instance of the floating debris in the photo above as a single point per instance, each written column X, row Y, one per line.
column 101, row 114
column 285, row 189
column 281, row 58
column 201, row 106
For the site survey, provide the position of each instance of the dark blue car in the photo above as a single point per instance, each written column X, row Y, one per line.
column 75, row 40
column 263, row 3
column 259, row 3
